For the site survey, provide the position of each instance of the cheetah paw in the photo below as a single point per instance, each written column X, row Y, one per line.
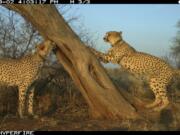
column 161, row 106
column 152, row 105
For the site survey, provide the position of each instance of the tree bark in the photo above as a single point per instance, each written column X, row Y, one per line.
column 104, row 100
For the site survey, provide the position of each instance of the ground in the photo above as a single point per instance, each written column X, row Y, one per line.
column 74, row 117
column 62, row 108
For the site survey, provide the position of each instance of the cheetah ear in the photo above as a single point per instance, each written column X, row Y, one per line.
column 120, row 33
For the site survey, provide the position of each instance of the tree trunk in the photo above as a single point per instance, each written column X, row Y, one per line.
column 103, row 98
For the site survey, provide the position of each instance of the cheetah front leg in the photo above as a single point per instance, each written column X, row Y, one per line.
column 106, row 58
column 22, row 96
column 30, row 102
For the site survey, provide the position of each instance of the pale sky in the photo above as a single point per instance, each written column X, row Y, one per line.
column 147, row 27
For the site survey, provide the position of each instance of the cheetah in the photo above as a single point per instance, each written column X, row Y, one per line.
column 157, row 72
column 22, row 72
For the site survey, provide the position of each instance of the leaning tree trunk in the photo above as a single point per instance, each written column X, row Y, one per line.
column 103, row 98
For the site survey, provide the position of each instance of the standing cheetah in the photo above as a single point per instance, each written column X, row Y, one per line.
column 22, row 72
column 157, row 72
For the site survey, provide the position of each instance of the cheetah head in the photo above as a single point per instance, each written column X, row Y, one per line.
column 113, row 37
column 45, row 48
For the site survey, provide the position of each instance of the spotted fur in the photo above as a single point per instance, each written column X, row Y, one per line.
column 156, row 71
column 22, row 72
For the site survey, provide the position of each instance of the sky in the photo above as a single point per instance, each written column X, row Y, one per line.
column 147, row 27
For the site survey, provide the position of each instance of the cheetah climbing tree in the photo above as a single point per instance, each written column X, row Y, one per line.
column 101, row 95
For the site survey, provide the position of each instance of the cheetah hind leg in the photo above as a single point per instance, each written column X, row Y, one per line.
column 162, row 105
column 162, row 94
column 158, row 92
column 21, row 106
column 153, row 104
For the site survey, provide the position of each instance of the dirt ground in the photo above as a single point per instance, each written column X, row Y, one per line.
column 47, row 124
column 64, row 119
column 71, row 114
column 63, row 108
column 77, row 119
